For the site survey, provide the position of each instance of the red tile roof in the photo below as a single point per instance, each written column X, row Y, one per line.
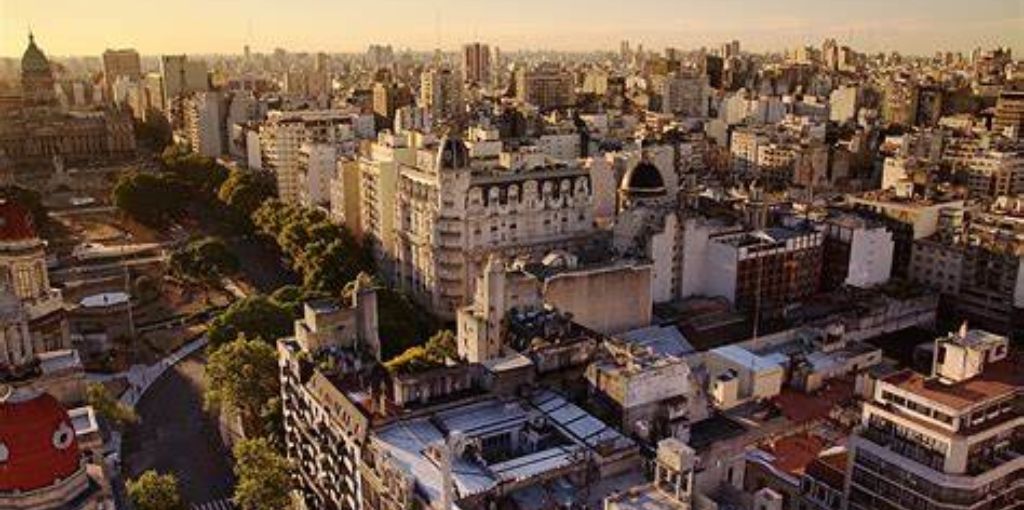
column 15, row 222
column 829, row 469
column 793, row 453
column 998, row 380
column 38, row 442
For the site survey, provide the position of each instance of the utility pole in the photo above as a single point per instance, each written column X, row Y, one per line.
column 128, row 287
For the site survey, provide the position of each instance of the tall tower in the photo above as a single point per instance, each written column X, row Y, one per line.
column 37, row 83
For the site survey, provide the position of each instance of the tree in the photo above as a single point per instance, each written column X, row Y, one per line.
column 245, row 192
column 207, row 260
column 150, row 199
column 256, row 317
column 243, row 375
column 108, row 407
column 264, row 476
column 154, row 133
column 435, row 353
column 199, row 173
column 153, row 491
column 402, row 324
column 294, row 297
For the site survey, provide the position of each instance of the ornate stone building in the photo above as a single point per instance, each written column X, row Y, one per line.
column 453, row 211
column 49, row 456
column 37, row 134
column 32, row 315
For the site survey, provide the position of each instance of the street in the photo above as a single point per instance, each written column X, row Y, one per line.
column 175, row 435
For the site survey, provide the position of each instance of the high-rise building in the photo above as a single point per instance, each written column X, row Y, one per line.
column 205, row 114
column 1009, row 112
column 994, row 173
column 547, row 86
column 730, row 49
column 388, row 97
column 476, row 63
column 182, row 76
column 284, row 133
column 441, row 93
column 121, row 63
column 951, row 439
column 682, row 94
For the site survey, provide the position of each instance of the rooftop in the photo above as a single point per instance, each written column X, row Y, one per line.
column 999, row 380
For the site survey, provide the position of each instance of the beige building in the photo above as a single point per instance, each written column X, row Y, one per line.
column 441, row 94
column 378, row 187
column 556, row 282
column 344, row 192
column 453, row 211
column 34, row 318
column 546, row 87
column 951, row 439
column 284, row 133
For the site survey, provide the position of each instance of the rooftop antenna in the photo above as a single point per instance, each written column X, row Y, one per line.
column 437, row 35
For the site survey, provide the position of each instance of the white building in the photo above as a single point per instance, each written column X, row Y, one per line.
column 951, row 439
column 284, row 133
column 452, row 211
column 317, row 166
column 205, row 115
column 842, row 104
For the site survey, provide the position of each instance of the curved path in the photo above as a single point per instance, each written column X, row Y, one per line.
column 176, row 435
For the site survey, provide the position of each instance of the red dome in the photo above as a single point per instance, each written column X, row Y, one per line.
column 15, row 222
column 37, row 443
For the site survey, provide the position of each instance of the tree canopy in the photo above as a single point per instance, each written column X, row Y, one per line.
column 150, row 199
column 256, row 317
column 245, row 192
column 153, row 491
column 199, row 173
column 243, row 375
column 435, row 353
column 206, row 259
column 326, row 254
column 108, row 407
column 264, row 476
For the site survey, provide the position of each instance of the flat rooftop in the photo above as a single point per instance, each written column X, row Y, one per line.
column 998, row 380
column 410, row 442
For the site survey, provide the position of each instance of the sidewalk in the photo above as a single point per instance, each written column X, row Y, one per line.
column 141, row 377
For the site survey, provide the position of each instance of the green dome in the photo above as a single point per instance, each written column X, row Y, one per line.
column 33, row 60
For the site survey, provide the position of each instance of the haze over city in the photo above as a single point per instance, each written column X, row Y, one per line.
column 74, row 27
column 511, row 255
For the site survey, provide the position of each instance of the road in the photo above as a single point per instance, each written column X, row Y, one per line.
column 176, row 436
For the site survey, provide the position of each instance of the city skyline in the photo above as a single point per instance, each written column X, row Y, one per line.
column 69, row 28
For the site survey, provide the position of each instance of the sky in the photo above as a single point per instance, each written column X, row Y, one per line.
column 87, row 27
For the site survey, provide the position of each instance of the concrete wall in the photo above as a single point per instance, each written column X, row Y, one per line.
column 870, row 257
column 605, row 300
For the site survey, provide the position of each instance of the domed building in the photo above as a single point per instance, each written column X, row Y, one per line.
column 36, row 131
column 41, row 463
column 34, row 315
column 452, row 154
column 37, row 83
column 641, row 184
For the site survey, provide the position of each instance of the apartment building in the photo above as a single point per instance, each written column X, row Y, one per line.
column 952, row 439
column 284, row 133
column 453, row 211
column 547, row 86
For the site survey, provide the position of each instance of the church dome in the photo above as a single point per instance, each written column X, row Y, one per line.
column 37, row 441
column 644, row 178
column 33, row 60
column 15, row 223
column 453, row 153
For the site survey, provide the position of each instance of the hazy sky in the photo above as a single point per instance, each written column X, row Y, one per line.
column 65, row 27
